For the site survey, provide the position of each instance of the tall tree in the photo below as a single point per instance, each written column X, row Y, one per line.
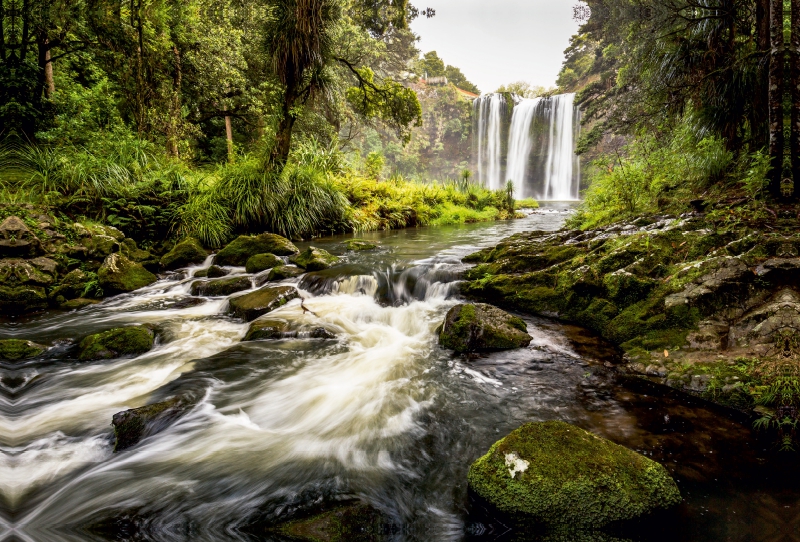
column 776, row 95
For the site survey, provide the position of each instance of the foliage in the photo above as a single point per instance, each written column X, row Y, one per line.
column 525, row 89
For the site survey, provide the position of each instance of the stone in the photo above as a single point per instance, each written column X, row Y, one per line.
column 71, row 286
column 359, row 245
column 117, row 342
column 79, row 303
column 244, row 247
column 221, row 287
column 216, row 272
column 284, row 272
column 266, row 328
column 131, row 251
column 262, row 262
column 352, row 523
column 17, row 240
column 314, row 259
column 98, row 247
column 556, row 475
column 264, row 300
column 119, row 275
column 18, row 349
column 480, row 327
column 131, row 426
column 187, row 252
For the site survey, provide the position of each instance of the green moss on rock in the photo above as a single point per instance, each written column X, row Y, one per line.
column 244, row 247
column 355, row 523
column 283, row 272
column 314, row 259
column 479, row 327
column 359, row 245
column 118, row 275
column 250, row 306
column 262, row 262
column 266, row 328
column 221, row 287
column 17, row 349
column 131, row 426
column 115, row 343
column 187, row 252
column 560, row 475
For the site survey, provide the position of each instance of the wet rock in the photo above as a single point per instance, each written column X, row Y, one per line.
column 479, row 327
column 17, row 240
column 221, row 287
column 556, row 474
column 244, row 247
column 699, row 383
column 98, row 247
column 314, row 259
column 119, row 275
column 359, row 245
column 283, row 272
column 115, row 343
column 267, row 327
column 71, row 286
column 187, row 252
column 131, row 426
column 22, row 287
column 262, row 262
column 250, row 306
column 354, row 523
column 79, row 303
column 17, row 349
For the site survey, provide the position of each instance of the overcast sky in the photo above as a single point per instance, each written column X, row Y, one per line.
column 499, row 41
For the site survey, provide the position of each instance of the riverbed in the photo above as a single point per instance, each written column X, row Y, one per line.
column 380, row 414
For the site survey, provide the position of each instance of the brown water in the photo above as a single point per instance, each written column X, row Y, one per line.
column 381, row 414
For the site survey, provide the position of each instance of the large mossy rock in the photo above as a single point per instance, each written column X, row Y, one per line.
column 187, row 252
column 354, row 523
column 115, row 343
column 246, row 246
column 283, row 272
column 18, row 349
column 480, row 327
column 559, row 475
column 358, row 245
column 221, row 287
column 268, row 327
column 250, row 306
column 314, row 259
column 120, row 275
column 262, row 262
column 17, row 240
column 131, row 426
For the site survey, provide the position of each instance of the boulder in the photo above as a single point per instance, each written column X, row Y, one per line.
column 72, row 286
column 250, row 306
column 22, row 286
column 559, row 475
column 118, row 275
column 480, row 327
column 17, row 349
column 262, row 262
column 267, row 327
column 79, row 303
column 352, row 523
column 221, row 287
column 244, row 247
column 98, row 247
column 358, row 245
column 115, row 343
column 283, row 272
column 314, row 259
column 17, row 240
column 213, row 272
column 131, row 426
column 187, row 252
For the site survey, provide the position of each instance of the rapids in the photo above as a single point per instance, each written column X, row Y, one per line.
column 381, row 414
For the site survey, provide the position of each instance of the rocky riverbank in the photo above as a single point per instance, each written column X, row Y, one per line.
column 711, row 310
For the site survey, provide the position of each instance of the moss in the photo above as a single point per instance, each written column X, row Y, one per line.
column 625, row 289
column 242, row 248
column 250, row 306
column 266, row 328
column 17, row 349
column 597, row 315
column 471, row 328
column 566, row 476
column 357, row 523
column 118, row 342
column 118, row 274
column 131, row 426
column 283, row 272
column 262, row 262
column 187, row 252
column 314, row 259
column 79, row 303
column 359, row 245
column 221, row 287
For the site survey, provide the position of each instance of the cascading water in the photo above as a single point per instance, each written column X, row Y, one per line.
column 540, row 157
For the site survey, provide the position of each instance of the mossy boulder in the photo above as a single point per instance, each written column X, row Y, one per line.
column 559, row 475
column 119, row 275
column 314, row 259
column 354, row 523
column 187, row 252
column 266, row 328
column 221, row 287
column 283, row 272
column 250, row 306
column 246, row 246
column 262, row 262
column 213, row 272
column 131, row 426
column 480, row 327
column 18, row 349
column 115, row 343
column 359, row 245
column 79, row 303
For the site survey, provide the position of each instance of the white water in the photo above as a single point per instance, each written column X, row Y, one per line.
column 540, row 158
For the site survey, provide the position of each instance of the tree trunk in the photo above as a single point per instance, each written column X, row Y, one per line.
column 229, row 137
column 794, row 56
column 49, row 82
column 283, row 136
column 174, row 120
column 759, row 120
column 776, row 88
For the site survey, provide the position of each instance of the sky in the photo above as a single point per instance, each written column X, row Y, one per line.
column 496, row 42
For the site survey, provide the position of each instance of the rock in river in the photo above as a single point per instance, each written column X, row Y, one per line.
column 114, row 343
column 262, row 262
column 480, row 327
column 131, row 426
column 244, row 247
column 560, row 475
column 314, row 259
column 221, row 287
column 118, row 275
column 250, row 306
column 17, row 349
column 187, row 252
column 283, row 272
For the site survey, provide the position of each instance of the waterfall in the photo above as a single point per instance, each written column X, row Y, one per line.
column 540, row 151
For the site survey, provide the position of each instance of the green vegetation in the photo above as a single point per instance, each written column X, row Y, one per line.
column 125, row 341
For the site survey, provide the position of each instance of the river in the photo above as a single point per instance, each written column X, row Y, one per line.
column 381, row 414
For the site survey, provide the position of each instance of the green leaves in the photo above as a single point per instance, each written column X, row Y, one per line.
column 394, row 104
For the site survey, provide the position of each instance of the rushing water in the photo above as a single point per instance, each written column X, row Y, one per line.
column 380, row 414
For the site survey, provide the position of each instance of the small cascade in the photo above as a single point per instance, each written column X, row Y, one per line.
column 535, row 149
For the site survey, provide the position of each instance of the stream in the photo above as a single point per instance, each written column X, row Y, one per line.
column 380, row 414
